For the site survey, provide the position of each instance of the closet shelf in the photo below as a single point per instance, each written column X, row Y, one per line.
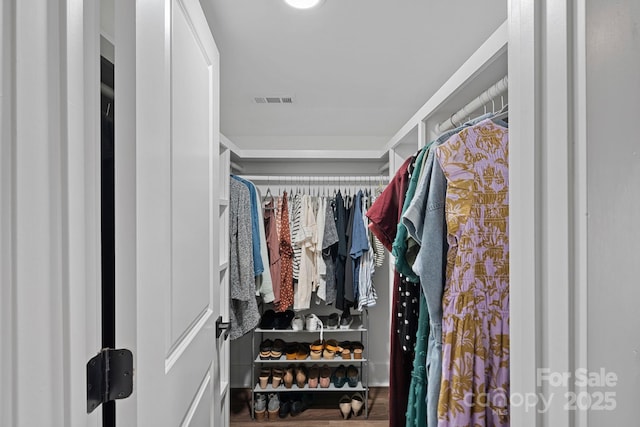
column 291, row 331
column 282, row 389
column 308, row 360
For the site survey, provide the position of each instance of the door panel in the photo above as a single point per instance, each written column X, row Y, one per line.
column 177, row 218
column 190, row 146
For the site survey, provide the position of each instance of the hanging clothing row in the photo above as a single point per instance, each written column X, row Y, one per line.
column 292, row 249
column 444, row 216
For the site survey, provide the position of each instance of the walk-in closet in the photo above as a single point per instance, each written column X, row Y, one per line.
column 400, row 213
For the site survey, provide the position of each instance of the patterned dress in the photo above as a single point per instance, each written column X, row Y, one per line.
column 286, row 258
column 475, row 327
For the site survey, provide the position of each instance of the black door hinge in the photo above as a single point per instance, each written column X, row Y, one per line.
column 109, row 377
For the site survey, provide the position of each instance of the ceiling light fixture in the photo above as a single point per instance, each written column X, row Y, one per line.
column 303, row 4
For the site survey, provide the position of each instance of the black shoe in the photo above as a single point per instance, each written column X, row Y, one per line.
column 285, row 407
column 300, row 403
column 268, row 319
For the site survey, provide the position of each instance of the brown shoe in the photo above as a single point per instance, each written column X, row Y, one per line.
column 325, row 376
column 301, row 376
column 289, row 376
column 314, row 374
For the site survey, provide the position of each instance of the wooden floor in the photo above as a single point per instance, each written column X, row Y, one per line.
column 323, row 412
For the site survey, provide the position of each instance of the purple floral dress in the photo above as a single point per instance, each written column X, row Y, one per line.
column 475, row 328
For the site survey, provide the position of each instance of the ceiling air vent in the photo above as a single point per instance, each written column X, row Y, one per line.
column 273, row 100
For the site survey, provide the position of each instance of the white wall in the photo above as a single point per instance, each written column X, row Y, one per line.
column 613, row 93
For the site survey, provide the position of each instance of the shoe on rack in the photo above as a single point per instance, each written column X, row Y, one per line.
column 273, row 407
column 303, row 351
column 285, row 407
column 265, row 373
column 325, row 376
column 330, row 349
column 314, row 374
column 340, row 376
column 357, row 401
column 357, row 350
column 316, row 349
column 300, row 403
column 352, row 376
column 313, row 323
column 289, row 376
column 291, row 350
column 333, row 321
column 276, row 349
column 297, row 324
column 345, row 349
column 276, row 377
column 346, row 319
column 301, row 376
column 283, row 319
column 345, row 406
column 260, row 407
column 268, row 320
column 265, row 349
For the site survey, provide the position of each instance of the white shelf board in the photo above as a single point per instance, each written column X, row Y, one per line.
column 281, row 388
column 309, row 360
column 326, row 331
column 311, row 154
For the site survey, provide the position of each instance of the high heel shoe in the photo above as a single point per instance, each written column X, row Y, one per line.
column 314, row 373
column 301, row 376
column 357, row 401
column 352, row 376
column 289, row 376
column 325, row 376
column 264, row 377
column 276, row 377
column 345, row 406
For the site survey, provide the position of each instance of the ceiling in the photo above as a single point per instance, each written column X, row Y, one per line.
column 357, row 69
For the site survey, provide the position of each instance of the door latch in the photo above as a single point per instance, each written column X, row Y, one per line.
column 109, row 377
column 222, row 327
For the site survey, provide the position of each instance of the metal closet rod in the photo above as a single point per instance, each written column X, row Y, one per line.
column 483, row 99
column 315, row 179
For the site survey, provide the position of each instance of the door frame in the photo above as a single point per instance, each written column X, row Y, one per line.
column 50, row 217
column 548, row 203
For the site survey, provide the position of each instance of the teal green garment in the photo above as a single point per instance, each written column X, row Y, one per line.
column 417, row 408
column 400, row 244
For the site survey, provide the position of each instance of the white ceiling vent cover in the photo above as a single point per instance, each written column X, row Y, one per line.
column 273, row 100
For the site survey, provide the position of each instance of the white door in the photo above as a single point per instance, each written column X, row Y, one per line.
column 168, row 312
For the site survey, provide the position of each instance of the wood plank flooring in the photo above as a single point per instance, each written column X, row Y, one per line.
column 323, row 412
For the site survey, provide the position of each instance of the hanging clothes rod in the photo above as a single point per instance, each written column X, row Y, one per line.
column 483, row 99
column 236, row 167
column 286, row 179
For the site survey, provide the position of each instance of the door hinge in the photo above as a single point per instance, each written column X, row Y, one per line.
column 109, row 377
